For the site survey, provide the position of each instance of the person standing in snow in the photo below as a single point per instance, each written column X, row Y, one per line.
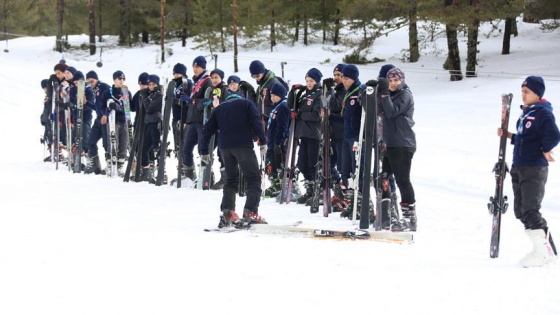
column 265, row 79
column 397, row 105
column 98, row 130
column 152, row 119
column 237, row 121
column 537, row 134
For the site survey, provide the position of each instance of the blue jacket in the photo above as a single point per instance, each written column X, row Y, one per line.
column 101, row 104
column 537, row 133
column 278, row 124
column 308, row 121
column 89, row 104
column 238, row 121
column 195, row 112
column 336, row 122
column 185, row 85
column 352, row 111
column 99, row 89
column 398, row 112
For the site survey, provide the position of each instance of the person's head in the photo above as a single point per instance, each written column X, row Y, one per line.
column 59, row 70
column 118, row 78
column 384, row 69
column 153, row 82
column 277, row 93
column 199, row 65
column 143, row 80
column 44, row 84
column 69, row 73
column 78, row 75
column 233, row 83
column 396, row 78
column 350, row 74
column 257, row 69
column 337, row 73
column 532, row 90
column 217, row 76
column 179, row 70
column 92, row 78
column 312, row 78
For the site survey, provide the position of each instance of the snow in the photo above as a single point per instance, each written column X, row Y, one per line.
column 77, row 244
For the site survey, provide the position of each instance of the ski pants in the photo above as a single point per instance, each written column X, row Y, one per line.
column 86, row 132
column 98, row 131
column 528, row 192
column 348, row 159
column 307, row 157
column 336, row 158
column 274, row 162
column 246, row 159
column 192, row 137
column 121, row 137
column 399, row 164
column 151, row 142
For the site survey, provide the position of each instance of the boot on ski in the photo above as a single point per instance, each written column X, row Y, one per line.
column 220, row 184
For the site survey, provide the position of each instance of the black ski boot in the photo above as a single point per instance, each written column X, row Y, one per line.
column 94, row 166
column 220, row 184
column 408, row 221
column 188, row 172
column 147, row 174
column 308, row 192
column 274, row 189
column 120, row 164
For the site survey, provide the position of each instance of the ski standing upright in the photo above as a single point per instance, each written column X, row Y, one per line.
column 168, row 101
column 79, row 126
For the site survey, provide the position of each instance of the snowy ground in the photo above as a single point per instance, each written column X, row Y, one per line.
column 77, row 244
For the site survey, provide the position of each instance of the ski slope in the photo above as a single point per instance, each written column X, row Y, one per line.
column 86, row 244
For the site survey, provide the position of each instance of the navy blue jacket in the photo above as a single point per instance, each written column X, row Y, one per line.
column 264, row 102
column 152, row 106
column 99, row 89
column 537, row 133
column 336, row 124
column 308, row 123
column 196, row 109
column 185, row 85
column 89, row 105
column 278, row 124
column 238, row 121
column 115, row 94
column 352, row 111
column 398, row 112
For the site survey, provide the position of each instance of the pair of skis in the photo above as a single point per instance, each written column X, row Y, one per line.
column 79, row 126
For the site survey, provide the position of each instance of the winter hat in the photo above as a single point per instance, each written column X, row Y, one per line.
column 78, row 76
column 314, row 74
column 71, row 70
column 143, row 78
column 535, row 84
column 395, row 73
column 278, row 90
column 384, row 70
column 153, row 78
column 180, row 69
column 339, row 67
column 218, row 72
column 199, row 61
column 233, row 78
column 44, row 83
column 351, row 71
column 118, row 74
column 92, row 75
column 256, row 67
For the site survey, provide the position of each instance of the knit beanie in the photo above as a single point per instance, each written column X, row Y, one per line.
column 199, row 61
column 78, row 75
column 180, row 69
column 314, row 74
column 118, row 74
column 92, row 75
column 256, row 67
column 233, row 78
column 279, row 90
column 384, row 70
column 44, row 83
column 71, row 70
column 153, row 78
column 339, row 67
column 535, row 84
column 351, row 71
column 218, row 72
column 395, row 73
column 143, row 78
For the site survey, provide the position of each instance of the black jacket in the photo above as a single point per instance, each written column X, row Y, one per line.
column 308, row 121
column 196, row 108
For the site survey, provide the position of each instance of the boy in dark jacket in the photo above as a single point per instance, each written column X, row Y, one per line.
column 98, row 130
column 537, row 134
column 265, row 79
column 152, row 105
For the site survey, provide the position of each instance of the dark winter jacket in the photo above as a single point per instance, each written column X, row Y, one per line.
column 185, row 85
column 137, row 100
column 278, row 125
column 238, row 121
column 352, row 111
column 308, row 121
column 336, row 122
column 152, row 107
column 537, row 133
column 89, row 105
column 398, row 111
column 195, row 112
column 52, row 88
column 264, row 103
column 114, row 94
column 98, row 91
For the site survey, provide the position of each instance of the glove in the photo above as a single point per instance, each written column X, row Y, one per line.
column 382, row 87
column 277, row 149
column 263, row 148
column 113, row 105
column 205, row 158
column 328, row 82
column 207, row 102
column 372, row 83
column 184, row 97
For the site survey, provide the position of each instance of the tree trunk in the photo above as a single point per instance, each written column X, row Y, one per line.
column 184, row 31
column 272, row 29
column 235, row 51
column 92, row 47
column 472, row 48
column 59, row 21
column 453, row 62
column 145, row 37
column 162, row 30
column 413, row 31
column 222, row 35
column 506, row 44
column 324, row 21
column 305, row 21
column 123, row 25
column 336, row 27
column 296, row 32
column 100, row 14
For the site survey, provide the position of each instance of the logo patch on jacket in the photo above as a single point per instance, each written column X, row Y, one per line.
column 528, row 125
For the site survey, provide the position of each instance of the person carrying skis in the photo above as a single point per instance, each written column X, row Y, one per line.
column 98, row 130
column 537, row 134
column 237, row 121
column 265, row 80
column 278, row 131
column 397, row 104
column 308, row 130
column 195, row 114
column 152, row 119
column 139, row 95
column 89, row 106
column 182, row 93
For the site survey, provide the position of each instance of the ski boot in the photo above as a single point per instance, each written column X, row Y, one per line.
column 544, row 251
column 94, row 166
column 188, row 172
column 229, row 218
column 252, row 217
column 274, row 189
column 308, row 192
column 220, row 184
column 147, row 174
column 349, row 202
column 120, row 170
column 408, row 221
